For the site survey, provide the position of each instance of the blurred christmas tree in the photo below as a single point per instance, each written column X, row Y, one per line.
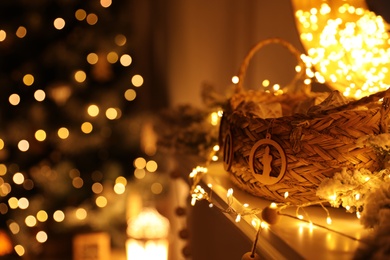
column 70, row 117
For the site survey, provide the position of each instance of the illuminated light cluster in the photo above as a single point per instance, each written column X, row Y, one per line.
column 347, row 44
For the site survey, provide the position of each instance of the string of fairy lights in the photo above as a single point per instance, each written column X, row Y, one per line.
column 347, row 44
column 13, row 177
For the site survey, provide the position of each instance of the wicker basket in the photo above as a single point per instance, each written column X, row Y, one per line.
column 268, row 157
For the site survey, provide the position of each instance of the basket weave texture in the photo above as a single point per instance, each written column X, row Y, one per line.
column 310, row 146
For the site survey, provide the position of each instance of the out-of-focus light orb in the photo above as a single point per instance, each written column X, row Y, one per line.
column 97, row 188
column 126, row 60
column 14, row 227
column 23, row 203
column 21, row 32
column 130, row 94
column 119, row 188
column 151, row 166
column 86, row 127
column 42, row 216
column 92, row 19
column 18, row 178
column 93, row 110
column 40, row 135
column 5, row 189
column 28, row 79
column 58, row 216
column 81, row 214
column 41, row 237
column 80, row 14
column 101, row 201
column 80, row 76
column 74, row 173
column 105, row 3
column 3, row 169
column 235, row 80
column 19, row 249
column 3, row 35
column 28, row 184
column 3, row 208
column 63, row 133
column 92, row 58
column 23, row 145
column 1, row 146
column 13, row 202
column 113, row 113
column 14, row 99
column 30, row 221
column 77, row 182
column 112, row 57
column 156, row 188
column 121, row 179
column 137, row 80
column 39, row 95
column 59, row 23
column 120, row 40
column 139, row 163
column 139, row 173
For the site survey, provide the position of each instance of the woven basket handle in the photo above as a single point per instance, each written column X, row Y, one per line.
column 239, row 87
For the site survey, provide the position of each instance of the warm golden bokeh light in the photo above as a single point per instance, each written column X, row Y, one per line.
column 105, row 3
column 93, row 110
column 151, row 166
column 119, row 188
column 92, row 58
column 58, row 216
column 19, row 249
column 130, row 94
column 97, row 188
column 18, row 178
column 59, row 23
column 28, row 79
column 77, row 182
column 347, row 44
column 92, row 19
column 120, row 39
column 41, row 237
column 81, row 214
column 40, row 135
column 125, row 60
column 101, row 201
column 86, row 127
column 21, row 32
column 80, row 14
column 137, row 80
column 39, row 95
column 112, row 57
column 42, row 216
column 139, row 163
column 30, row 221
column 14, row 99
column 3, row 35
column 113, row 113
column 23, row 145
column 80, row 76
column 63, row 133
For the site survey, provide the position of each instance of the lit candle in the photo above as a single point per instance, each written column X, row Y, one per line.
column 148, row 236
